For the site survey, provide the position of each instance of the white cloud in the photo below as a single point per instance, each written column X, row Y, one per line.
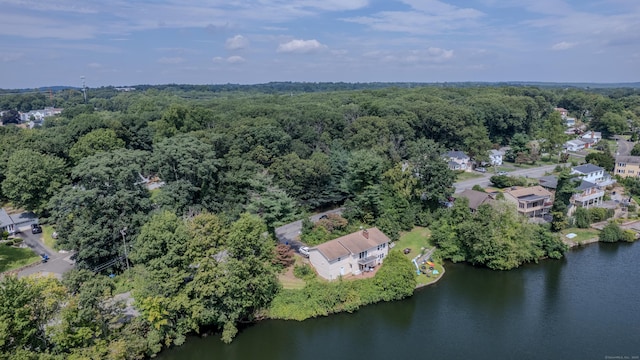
column 237, row 42
column 431, row 55
column 425, row 17
column 235, row 59
column 563, row 45
column 438, row 55
column 301, row 46
column 10, row 56
column 171, row 60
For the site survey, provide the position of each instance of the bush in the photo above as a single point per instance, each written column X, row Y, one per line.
column 303, row 272
column 614, row 233
column 9, row 243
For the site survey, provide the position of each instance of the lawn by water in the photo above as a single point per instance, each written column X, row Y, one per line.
column 418, row 239
column 13, row 258
column 581, row 234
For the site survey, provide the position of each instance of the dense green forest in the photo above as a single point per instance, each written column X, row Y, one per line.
column 236, row 163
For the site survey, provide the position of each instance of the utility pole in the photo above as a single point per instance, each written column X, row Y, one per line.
column 123, row 232
column 84, row 89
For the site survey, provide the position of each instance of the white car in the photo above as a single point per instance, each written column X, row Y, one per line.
column 304, row 250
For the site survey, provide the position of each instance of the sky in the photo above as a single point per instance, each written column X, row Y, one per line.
column 117, row 42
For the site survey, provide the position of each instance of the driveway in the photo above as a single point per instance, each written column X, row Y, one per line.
column 288, row 234
column 58, row 264
column 624, row 147
column 483, row 181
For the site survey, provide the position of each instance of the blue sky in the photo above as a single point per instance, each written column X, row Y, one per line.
column 117, row 42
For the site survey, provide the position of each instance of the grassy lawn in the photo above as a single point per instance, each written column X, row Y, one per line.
column 13, row 258
column 423, row 279
column 468, row 176
column 290, row 281
column 50, row 242
column 415, row 240
column 582, row 234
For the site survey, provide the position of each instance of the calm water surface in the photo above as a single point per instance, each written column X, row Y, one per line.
column 586, row 306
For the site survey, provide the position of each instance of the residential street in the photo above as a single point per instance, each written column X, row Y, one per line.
column 624, row 147
column 58, row 263
column 484, row 180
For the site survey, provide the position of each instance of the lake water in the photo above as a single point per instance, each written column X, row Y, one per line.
column 586, row 306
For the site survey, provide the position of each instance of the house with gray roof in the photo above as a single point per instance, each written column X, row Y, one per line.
column 6, row 222
column 458, row 160
column 350, row 254
column 593, row 173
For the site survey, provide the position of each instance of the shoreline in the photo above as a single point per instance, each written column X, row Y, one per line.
column 572, row 244
column 420, row 286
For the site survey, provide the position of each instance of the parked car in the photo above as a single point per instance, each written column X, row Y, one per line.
column 36, row 229
column 502, row 173
column 481, row 169
column 304, row 250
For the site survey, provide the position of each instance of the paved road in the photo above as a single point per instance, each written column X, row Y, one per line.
column 624, row 147
column 484, row 180
column 289, row 233
column 58, row 263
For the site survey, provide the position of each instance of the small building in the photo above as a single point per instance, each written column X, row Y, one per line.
column 593, row 173
column 6, row 223
column 563, row 112
column 574, row 145
column 627, row 166
column 532, row 201
column 476, row 198
column 495, row 157
column 570, row 122
column 591, row 137
column 350, row 254
column 458, row 160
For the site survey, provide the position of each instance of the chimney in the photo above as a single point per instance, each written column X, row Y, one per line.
column 365, row 233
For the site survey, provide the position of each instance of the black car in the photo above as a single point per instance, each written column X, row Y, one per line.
column 36, row 229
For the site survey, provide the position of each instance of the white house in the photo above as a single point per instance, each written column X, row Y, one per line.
column 458, row 160
column 495, row 157
column 591, row 137
column 6, row 222
column 350, row 254
column 574, row 145
column 570, row 122
column 593, row 174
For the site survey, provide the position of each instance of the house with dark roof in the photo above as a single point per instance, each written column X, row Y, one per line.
column 593, row 173
column 476, row 198
column 458, row 160
column 350, row 254
column 532, row 201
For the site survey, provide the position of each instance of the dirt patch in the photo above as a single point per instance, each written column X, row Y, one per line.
column 290, row 281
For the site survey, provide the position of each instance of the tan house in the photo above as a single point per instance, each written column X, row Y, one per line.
column 533, row 201
column 350, row 254
column 627, row 166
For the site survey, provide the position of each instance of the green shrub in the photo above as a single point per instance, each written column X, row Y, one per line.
column 9, row 243
column 614, row 233
column 303, row 272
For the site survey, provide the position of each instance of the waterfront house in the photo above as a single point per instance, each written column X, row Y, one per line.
column 627, row 166
column 533, row 201
column 350, row 254
column 587, row 195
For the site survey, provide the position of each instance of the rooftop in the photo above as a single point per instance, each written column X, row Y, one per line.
column 587, row 168
column 353, row 243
